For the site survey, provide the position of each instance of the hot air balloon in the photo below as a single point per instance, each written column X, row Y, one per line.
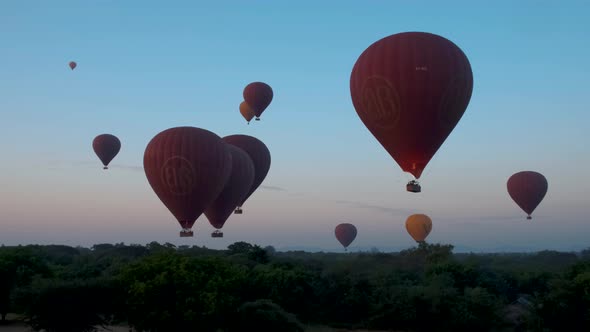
column 527, row 189
column 345, row 234
column 410, row 90
column 258, row 95
column 235, row 190
column 419, row 226
column 187, row 168
column 106, row 147
column 72, row 65
column 260, row 156
column 246, row 111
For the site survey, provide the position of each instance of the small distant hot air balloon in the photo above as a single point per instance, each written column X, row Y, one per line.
column 345, row 234
column 258, row 95
column 410, row 90
column 235, row 190
column 106, row 147
column 527, row 189
column 246, row 111
column 419, row 226
column 260, row 156
column 187, row 168
column 72, row 65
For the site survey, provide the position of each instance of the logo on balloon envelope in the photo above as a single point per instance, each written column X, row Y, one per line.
column 380, row 102
column 178, row 175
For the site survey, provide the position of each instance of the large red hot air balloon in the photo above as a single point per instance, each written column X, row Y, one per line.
column 235, row 190
column 410, row 90
column 72, row 65
column 260, row 156
column 246, row 111
column 106, row 147
column 187, row 167
column 527, row 189
column 345, row 234
column 258, row 95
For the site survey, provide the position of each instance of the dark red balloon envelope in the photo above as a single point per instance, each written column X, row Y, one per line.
column 258, row 95
column 187, row 167
column 106, row 147
column 259, row 154
column 527, row 189
column 345, row 234
column 235, row 190
column 410, row 90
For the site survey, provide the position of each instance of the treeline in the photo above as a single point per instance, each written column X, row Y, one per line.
column 248, row 288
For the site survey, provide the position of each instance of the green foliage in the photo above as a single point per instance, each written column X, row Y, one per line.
column 265, row 316
column 239, row 248
column 68, row 306
column 566, row 304
column 18, row 266
column 171, row 292
column 161, row 287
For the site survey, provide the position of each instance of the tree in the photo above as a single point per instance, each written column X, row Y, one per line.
column 270, row 250
column 239, row 248
column 181, row 293
column 17, row 267
column 265, row 316
column 258, row 255
column 67, row 307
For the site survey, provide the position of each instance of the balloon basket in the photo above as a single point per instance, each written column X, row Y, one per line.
column 257, row 119
column 238, row 211
column 105, row 167
column 217, row 234
column 186, row 233
column 413, row 186
column 529, row 217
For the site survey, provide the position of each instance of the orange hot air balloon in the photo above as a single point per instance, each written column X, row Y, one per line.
column 345, row 234
column 246, row 111
column 260, row 156
column 258, row 95
column 419, row 226
column 527, row 189
column 410, row 90
column 187, row 168
column 235, row 190
column 106, row 147
column 72, row 65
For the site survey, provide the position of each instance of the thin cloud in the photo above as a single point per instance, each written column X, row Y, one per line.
column 56, row 165
column 127, row 167
column 275, row 188
column 484, row 220
column 378, row 208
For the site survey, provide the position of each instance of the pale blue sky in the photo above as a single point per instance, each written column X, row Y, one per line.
column 145, row 66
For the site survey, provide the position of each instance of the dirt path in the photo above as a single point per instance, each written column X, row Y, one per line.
column 20, row 327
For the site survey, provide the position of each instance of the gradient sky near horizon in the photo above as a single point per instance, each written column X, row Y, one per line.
column 145, row 66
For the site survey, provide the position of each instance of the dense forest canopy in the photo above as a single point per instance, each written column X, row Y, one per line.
column 161, row 287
